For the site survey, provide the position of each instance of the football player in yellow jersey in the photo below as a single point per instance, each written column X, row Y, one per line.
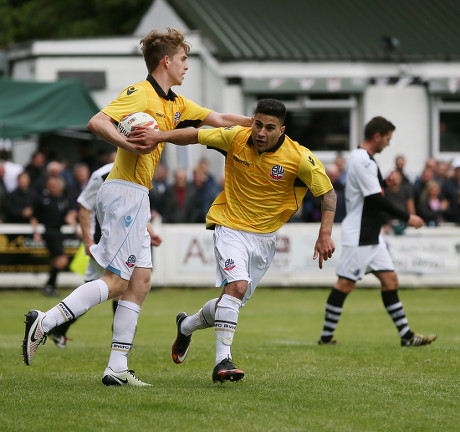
column 123, row 209
column 266, row 177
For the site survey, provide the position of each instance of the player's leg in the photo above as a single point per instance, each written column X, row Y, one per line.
column 124, row 329
column 129, row 307
column 351, row 267
column 394, row 307
column 226, row 320
column 58, row 261
column 186, row 325
column 38, row 323
column 59, row 334
column 334, row 309
column 243, row 258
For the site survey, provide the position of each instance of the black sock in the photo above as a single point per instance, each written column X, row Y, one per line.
column 396, row 311
column 334, row 308
column 53, row 276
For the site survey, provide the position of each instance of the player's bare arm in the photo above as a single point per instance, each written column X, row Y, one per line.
column 223, row 120
column 103, row 126
column 149, row 138
column 325, row 247
column 85, row 222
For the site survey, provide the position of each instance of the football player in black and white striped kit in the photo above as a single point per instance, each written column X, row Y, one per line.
column 363, row 248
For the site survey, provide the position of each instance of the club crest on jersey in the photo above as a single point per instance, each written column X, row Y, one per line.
column 176, row 117
column 131, row 261
column 229, row 264
column 277, row 172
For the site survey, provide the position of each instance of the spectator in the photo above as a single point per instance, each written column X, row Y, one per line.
column 432, row 205
column 203, row 192
column 400, row 163
column 36, row 169
column 52, row 210
column 80, row 180
column 420, row 185
column 401, row 195
column 451, row 191
column 334, row 174
column 104, row 157
column 12, row 170
column 21, row 201
column 158, row 191
column 341, row 164
column 54, row 168
column 431, row 163
column 177, row 199
column 441, row 172
column 203, row 164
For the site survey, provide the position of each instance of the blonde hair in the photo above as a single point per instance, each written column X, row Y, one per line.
column 156, row 45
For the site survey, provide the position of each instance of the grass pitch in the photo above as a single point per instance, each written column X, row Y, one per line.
column 367, row 383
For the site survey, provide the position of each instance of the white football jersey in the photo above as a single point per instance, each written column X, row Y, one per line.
column 362, row 223
column 88, row 196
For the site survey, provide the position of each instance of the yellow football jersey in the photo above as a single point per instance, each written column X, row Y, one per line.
column 262, row 191
column 171, row 111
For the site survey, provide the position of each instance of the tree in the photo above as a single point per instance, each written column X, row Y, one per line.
column 22, row 20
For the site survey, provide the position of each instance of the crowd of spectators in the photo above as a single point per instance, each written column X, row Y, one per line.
column 434, row 194
column 183, row 201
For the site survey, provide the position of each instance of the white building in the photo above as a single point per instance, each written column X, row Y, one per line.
column 334, row 70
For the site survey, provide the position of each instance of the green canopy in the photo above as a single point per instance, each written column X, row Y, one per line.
column 28, row 107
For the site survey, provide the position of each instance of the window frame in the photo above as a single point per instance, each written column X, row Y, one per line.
column 440, row 105
column 304, row 102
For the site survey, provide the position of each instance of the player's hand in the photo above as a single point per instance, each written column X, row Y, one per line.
column 415, row 221
column 391, row 179
column 155, row 239
column 324, row 248
column 87, row 246
column 144, row 139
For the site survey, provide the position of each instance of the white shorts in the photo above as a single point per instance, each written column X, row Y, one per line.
column 123, row 211
column 242, row 255
column 93, row 271
column 356, row 261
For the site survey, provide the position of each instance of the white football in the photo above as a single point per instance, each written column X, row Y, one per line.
column 132, row 120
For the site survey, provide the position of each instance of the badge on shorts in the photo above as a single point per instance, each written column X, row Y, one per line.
column 277, row 172
column 229, row 264
column 131, row 261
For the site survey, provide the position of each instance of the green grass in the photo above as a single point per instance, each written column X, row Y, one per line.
column 367, row 383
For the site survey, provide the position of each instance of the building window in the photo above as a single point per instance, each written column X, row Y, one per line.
column 446, row 128
column 322, row 122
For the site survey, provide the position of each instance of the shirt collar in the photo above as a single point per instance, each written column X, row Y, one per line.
column 170, row 96
column 274, row 148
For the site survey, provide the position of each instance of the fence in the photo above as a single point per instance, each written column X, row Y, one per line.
column 428, row 257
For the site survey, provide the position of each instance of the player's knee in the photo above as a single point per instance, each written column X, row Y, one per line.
column 237, row 289
column 345, row 285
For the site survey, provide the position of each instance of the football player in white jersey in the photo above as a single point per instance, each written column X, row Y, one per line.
column 363, row 248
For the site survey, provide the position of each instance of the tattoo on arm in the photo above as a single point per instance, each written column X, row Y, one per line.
column 329, row 201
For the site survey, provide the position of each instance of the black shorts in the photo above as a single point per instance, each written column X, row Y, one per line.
column 54, row 242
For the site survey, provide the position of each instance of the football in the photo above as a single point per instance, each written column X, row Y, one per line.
column 132, row 120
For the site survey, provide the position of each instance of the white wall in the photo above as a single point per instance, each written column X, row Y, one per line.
column 205, row 83
column 408, row 109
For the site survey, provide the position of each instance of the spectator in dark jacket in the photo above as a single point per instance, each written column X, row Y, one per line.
column 52, row 209
column 20, row 202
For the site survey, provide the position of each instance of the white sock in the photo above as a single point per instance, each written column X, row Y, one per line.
column 226, row 320
column 124, row 329
column 204, row 318
column 76, row 303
